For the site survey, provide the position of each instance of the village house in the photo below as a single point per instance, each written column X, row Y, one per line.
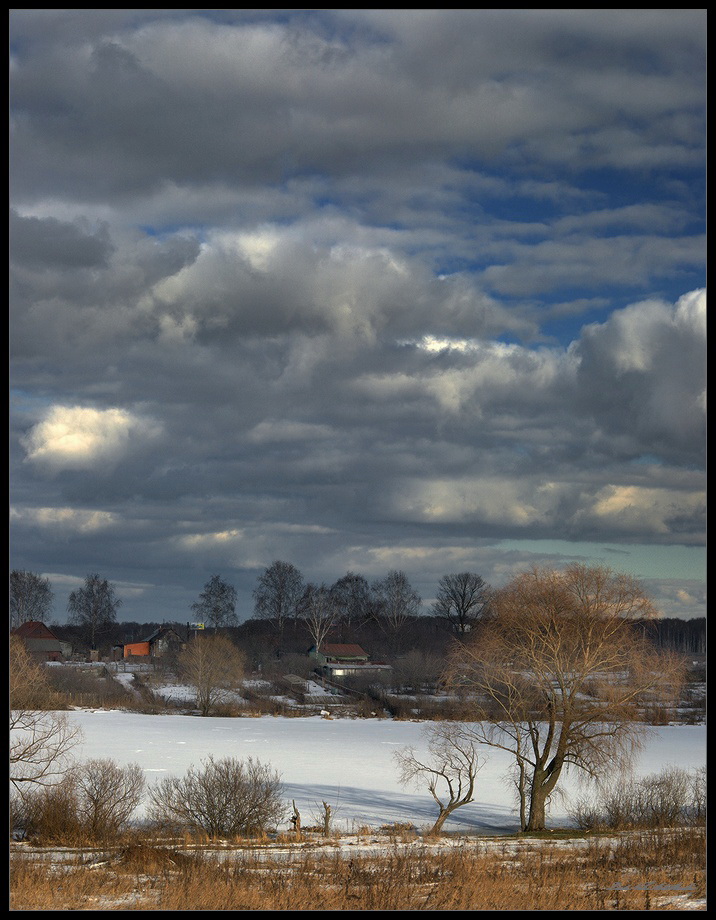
column 338, row 660
column 41, row 643
column 158, row 644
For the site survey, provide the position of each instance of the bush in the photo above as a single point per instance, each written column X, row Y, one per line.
column 29, row 684
column 672, row 798
column 94, row 802
column 48, row 814
column 87, row 686
column 107, row 797
column 223, row 798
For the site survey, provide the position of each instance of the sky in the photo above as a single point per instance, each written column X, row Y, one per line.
column 415, row 290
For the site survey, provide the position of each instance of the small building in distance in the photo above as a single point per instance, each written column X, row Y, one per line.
column 39, row 640
column 338, row 660
column 158, row 644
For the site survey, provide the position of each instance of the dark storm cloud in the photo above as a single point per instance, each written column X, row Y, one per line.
column 310, row 284
column 190, row 100
column 51, row 244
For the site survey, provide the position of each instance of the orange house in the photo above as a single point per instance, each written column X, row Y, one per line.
column 135, row 649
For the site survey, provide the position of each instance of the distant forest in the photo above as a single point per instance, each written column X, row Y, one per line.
column 426, row 633
column 686, row 636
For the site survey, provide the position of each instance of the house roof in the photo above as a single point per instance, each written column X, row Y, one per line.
column 33, row 629
column 343, row 650
column 161, row 632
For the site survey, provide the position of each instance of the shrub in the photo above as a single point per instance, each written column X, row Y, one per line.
column 94, row 802
column 223, row 798
column 107, row 797
column 674, row 797
column 48, row 814
column 87, row 686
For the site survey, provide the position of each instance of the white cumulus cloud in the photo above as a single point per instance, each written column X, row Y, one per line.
column 80, row 438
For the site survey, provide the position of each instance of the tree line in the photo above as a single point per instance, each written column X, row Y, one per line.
column 281, row 596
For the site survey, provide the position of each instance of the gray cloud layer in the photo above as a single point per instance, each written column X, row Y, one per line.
column 286, row 287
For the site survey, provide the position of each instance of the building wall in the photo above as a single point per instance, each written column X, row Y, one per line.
column 136, row 648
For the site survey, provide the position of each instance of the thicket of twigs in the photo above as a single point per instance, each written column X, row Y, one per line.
column 672, row 797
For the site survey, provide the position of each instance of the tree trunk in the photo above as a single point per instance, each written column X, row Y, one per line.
column 543, row 782
column 522, row 795
column 296, row 821
column 536, row 821
column 438, row 826
column 326, row 819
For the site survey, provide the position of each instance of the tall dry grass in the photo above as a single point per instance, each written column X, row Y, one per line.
column 624, row 873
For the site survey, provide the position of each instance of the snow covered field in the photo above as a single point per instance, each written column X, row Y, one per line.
column 347, row 763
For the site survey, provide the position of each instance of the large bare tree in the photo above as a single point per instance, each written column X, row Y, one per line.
column 217, row 603
column 94, row 608
column 319, row 611
column 396, row 601
column 559, row 675
column 31, row 597
column 461, row 599
column 213, row 666
column 41, row 738
column 277, row 595
column 351, row 595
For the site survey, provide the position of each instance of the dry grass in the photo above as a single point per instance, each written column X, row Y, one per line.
column 623, row 873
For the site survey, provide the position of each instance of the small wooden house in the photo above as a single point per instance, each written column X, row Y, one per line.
column 41, row 643
column 156, row 645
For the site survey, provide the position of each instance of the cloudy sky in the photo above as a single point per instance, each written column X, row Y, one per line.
column 362, row 291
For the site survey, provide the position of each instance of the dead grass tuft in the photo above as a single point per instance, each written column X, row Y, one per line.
column 650, row 870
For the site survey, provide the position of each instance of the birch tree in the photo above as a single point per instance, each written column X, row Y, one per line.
column 94, row 608
column 31, row 597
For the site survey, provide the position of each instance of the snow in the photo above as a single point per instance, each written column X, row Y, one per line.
column 346, row 762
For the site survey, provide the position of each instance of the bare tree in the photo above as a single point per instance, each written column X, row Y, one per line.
column 94, row 608
column 351, row 595
column 31, row 598
column 449, row 771
column 557, row 674
column 217, row 603
column 461, row 600
column 107, row 796
column 396, row 603
column 41, row 739
column 319, row 612
column 277, row 595
column 224, row 798
column 418, row 671
column 213, row 666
